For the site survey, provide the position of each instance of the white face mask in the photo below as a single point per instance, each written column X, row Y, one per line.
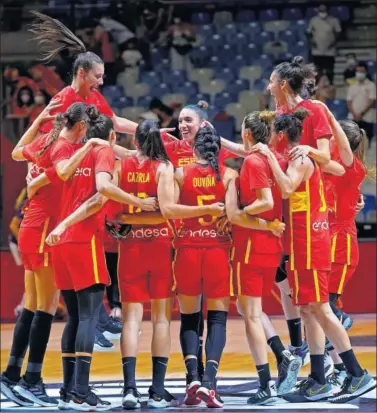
column 25, row 98
column 39, row 100
column 360, row 75
column 322, row 14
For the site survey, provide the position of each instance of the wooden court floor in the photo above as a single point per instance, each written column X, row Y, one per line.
column 236, row 361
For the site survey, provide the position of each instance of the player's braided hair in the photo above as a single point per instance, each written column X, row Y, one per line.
column 358, row 143
column 149, row 140
column 291, row 124
column 53, row 37
column 207, row 145
column 297, row 74
column 75, row 113
column 259, row 124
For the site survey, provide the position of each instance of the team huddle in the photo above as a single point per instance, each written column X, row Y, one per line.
column 192, row 228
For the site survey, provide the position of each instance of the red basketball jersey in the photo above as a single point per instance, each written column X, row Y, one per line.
column 200, row 187
column 139, row 179
column 307, row 232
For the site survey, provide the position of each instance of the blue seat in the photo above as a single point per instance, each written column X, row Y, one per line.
column 300, row 49
column 239, row 41
column 162, row 66
column 340, row 12
column 216, row 62
column 311, row 12
column 260, row 85
column 267, row 15
column 338, row 107
column 174, row 77
column 370, row 204
column 200, row 56
column 201, row 18
column 251, row 53
column 204, row 30
column 122, row 102
column 264, row 37
column 194, row 98
column 286, row 57
column 300, row 27
column 228, row 30
column 245, row 16
column 292, row 13
column 225, row 128
column 250, row 30
column 151, row 78
column 188, row 88
column 144, row 101
column 112, row 92
column 265, row 62
column 288, row 36
column 236, row 63
column 371, row 67
column 225, row 74
column 238, row 86
column 161, row 89
column 215, row 43
column 223, row 99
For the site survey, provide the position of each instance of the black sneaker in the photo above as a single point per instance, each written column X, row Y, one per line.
column 288, row 371
column 265, row 396
column 64, row 399
column 192, row 386
column 208, row 394
column 354, row 387
column 88, row 403
column 36, row 393
column 309, row 390
column 7, row 388
column 131, row 399
column 157, row 401
column 101, row 343
column 112, row 329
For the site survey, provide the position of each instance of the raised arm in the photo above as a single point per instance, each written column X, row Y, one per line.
column 236, row 148
column 32, row 132
column 166, row 199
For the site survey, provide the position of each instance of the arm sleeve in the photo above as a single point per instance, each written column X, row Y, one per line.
column 320, row 124
column 61, row 152
column 257, row 173
column 372, row 91
column 104, row 160
column 52, row 175
column 104, row 107
column 225, row 154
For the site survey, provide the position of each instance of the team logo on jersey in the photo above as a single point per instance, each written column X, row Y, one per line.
column 202, row 233
column 185, row 161
column 320, row 226
column 145, row 233
column 83, row 172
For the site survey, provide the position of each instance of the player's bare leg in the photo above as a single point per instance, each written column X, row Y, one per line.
column 251, row 308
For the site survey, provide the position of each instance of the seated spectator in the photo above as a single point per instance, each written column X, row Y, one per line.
column 350, row 70
column 24, row 102
column 360, row 99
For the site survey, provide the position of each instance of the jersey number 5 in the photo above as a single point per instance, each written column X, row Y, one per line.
column 205, row 200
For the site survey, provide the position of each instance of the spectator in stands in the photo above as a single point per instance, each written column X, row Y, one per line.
column 131, row 56
column 324, row 30
column 325, row 90
column 350, row 70
column 180, row 37
column 47, row 79
column 40, row 101
column 360, row 99
column 25, row 102
column 165, row 116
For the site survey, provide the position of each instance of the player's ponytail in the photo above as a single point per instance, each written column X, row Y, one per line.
column 100, row 127
column 291, row 124
column 357, row 139
column 75, row 113
column 259, row 124
column 207, row 146
column 53, row 37
column 149, row 141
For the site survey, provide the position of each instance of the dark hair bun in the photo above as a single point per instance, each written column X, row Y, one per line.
column 92, row 112
column 298, row 61
column 203, row 105
column 300, row 114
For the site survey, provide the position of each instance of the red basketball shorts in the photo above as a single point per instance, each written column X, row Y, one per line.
column 34, row 262
column 339, row 276
column 204, row 270
column 309, row 286
column 145, row 271
column 78, row 266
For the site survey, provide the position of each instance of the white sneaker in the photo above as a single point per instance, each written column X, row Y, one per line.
column 131, row 399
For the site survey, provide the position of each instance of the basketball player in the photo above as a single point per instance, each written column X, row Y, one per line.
column 308, row 244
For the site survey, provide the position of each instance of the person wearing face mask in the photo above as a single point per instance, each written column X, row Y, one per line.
column 40, row 100
column 323, row 32
column 350, row 71
column 360, row 100
column 25, row 100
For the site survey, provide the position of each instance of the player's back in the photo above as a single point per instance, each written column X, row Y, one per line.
column 139, row 178
column 201, row 187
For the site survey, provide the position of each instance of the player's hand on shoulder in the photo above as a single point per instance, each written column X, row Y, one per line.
column 299, row 151
column 260, row 148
